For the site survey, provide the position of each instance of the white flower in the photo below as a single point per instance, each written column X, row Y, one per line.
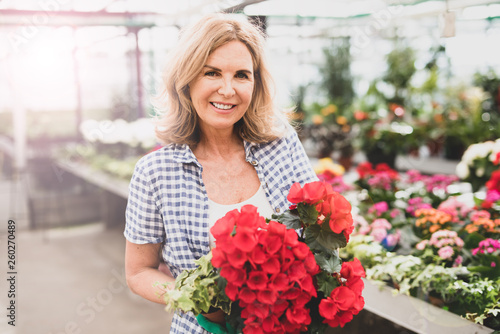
column 462, row 170
column 90, row 130
column 119, row 132
column 143, row 132
column 480, row 172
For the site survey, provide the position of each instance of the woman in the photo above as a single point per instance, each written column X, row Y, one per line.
column 226, row 146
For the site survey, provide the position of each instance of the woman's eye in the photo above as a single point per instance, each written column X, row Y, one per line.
column 241, row 76
column 211, row 74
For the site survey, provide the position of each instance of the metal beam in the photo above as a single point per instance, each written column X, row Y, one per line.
column 241, row 6
column 11, row 17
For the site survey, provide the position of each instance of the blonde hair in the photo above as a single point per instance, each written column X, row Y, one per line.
column 179, row 122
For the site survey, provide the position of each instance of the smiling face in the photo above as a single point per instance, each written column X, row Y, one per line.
column 223, row 90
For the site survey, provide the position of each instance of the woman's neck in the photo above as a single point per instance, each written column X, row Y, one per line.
column 218, row 145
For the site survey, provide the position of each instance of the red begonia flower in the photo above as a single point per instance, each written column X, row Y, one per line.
column 231, row 291
column 257, row 280
column 328, row 308
column 343, row 297
column 271, row 266
column 301, row 250
column 247, row 295
column 298, row 315
column 237, row 258
column 233, row 275
column 245, row 240
column 267, row 296
column 224, row 226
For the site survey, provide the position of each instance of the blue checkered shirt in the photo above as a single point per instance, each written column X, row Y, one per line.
column 168, row 203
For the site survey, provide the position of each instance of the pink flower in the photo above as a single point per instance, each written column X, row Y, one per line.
column 415, row 204
column 493, row 264
column 493, row 195
column 395, row 212
column 445, row 253
column 393, row 239
column 381, row 223
column 481, row 214
column 364, row 230
column 379, row 234
column 379, row 208
column 421, row 245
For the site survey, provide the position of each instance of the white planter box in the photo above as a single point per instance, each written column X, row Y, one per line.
column 415, row 314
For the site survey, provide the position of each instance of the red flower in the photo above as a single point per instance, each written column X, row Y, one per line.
column 311, row 193
column 231, row 291
column 270, row 272
column 279, row 282
column 225, row 226
column 340, row 306
column 364, row 169
column 328, row 308
column 497, row 157
column 298, row 315
column 245, row 240
column 257, row 280
column 352, row 271
column 237, row 258
column 233, row 275
column 345, row 300
column 494, row 181
column 247, row 295
column 267, row 296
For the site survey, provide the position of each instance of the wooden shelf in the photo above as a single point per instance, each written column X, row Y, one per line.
column 101, row 179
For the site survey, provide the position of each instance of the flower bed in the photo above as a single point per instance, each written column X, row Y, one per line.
column 429, row 237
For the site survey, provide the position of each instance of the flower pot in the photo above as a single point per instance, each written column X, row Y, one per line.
column 377, row 156
column 454, row 148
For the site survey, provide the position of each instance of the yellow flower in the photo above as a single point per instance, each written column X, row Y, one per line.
column 327, row 165
column 329, row 109
column 341, row 120
column 317, row 119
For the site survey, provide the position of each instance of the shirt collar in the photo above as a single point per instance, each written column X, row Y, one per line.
column 183, row 153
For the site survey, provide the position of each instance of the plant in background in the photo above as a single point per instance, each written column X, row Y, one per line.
column 458, row 210
column 486, row 258
column 331, row 173
column 379, row 182
column 443, row 247
column 328, row 125
column 478, row 163
column 431, row 220
column 400, row 70
column 337, row 78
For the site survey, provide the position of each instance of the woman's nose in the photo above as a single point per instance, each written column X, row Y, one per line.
column 226, row 89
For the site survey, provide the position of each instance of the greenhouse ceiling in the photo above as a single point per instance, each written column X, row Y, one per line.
column 147, row 13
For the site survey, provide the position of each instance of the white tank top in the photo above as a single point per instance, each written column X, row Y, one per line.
column 217, row 211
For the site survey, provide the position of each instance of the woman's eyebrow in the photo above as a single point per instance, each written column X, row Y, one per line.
column 213, row 68
column 219, row 70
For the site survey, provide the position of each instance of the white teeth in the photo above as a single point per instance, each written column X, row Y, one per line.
column 222, row 106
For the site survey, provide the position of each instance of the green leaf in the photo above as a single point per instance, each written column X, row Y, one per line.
column 308, row 213
column 326, row 283
column 333, row 264
column 290, row 219
column 332, row 240
column 205, row 264
column 323, row 235
column 184, row 302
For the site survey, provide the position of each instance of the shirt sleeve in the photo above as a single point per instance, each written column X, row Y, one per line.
column 303, row 169
column 144, row 223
